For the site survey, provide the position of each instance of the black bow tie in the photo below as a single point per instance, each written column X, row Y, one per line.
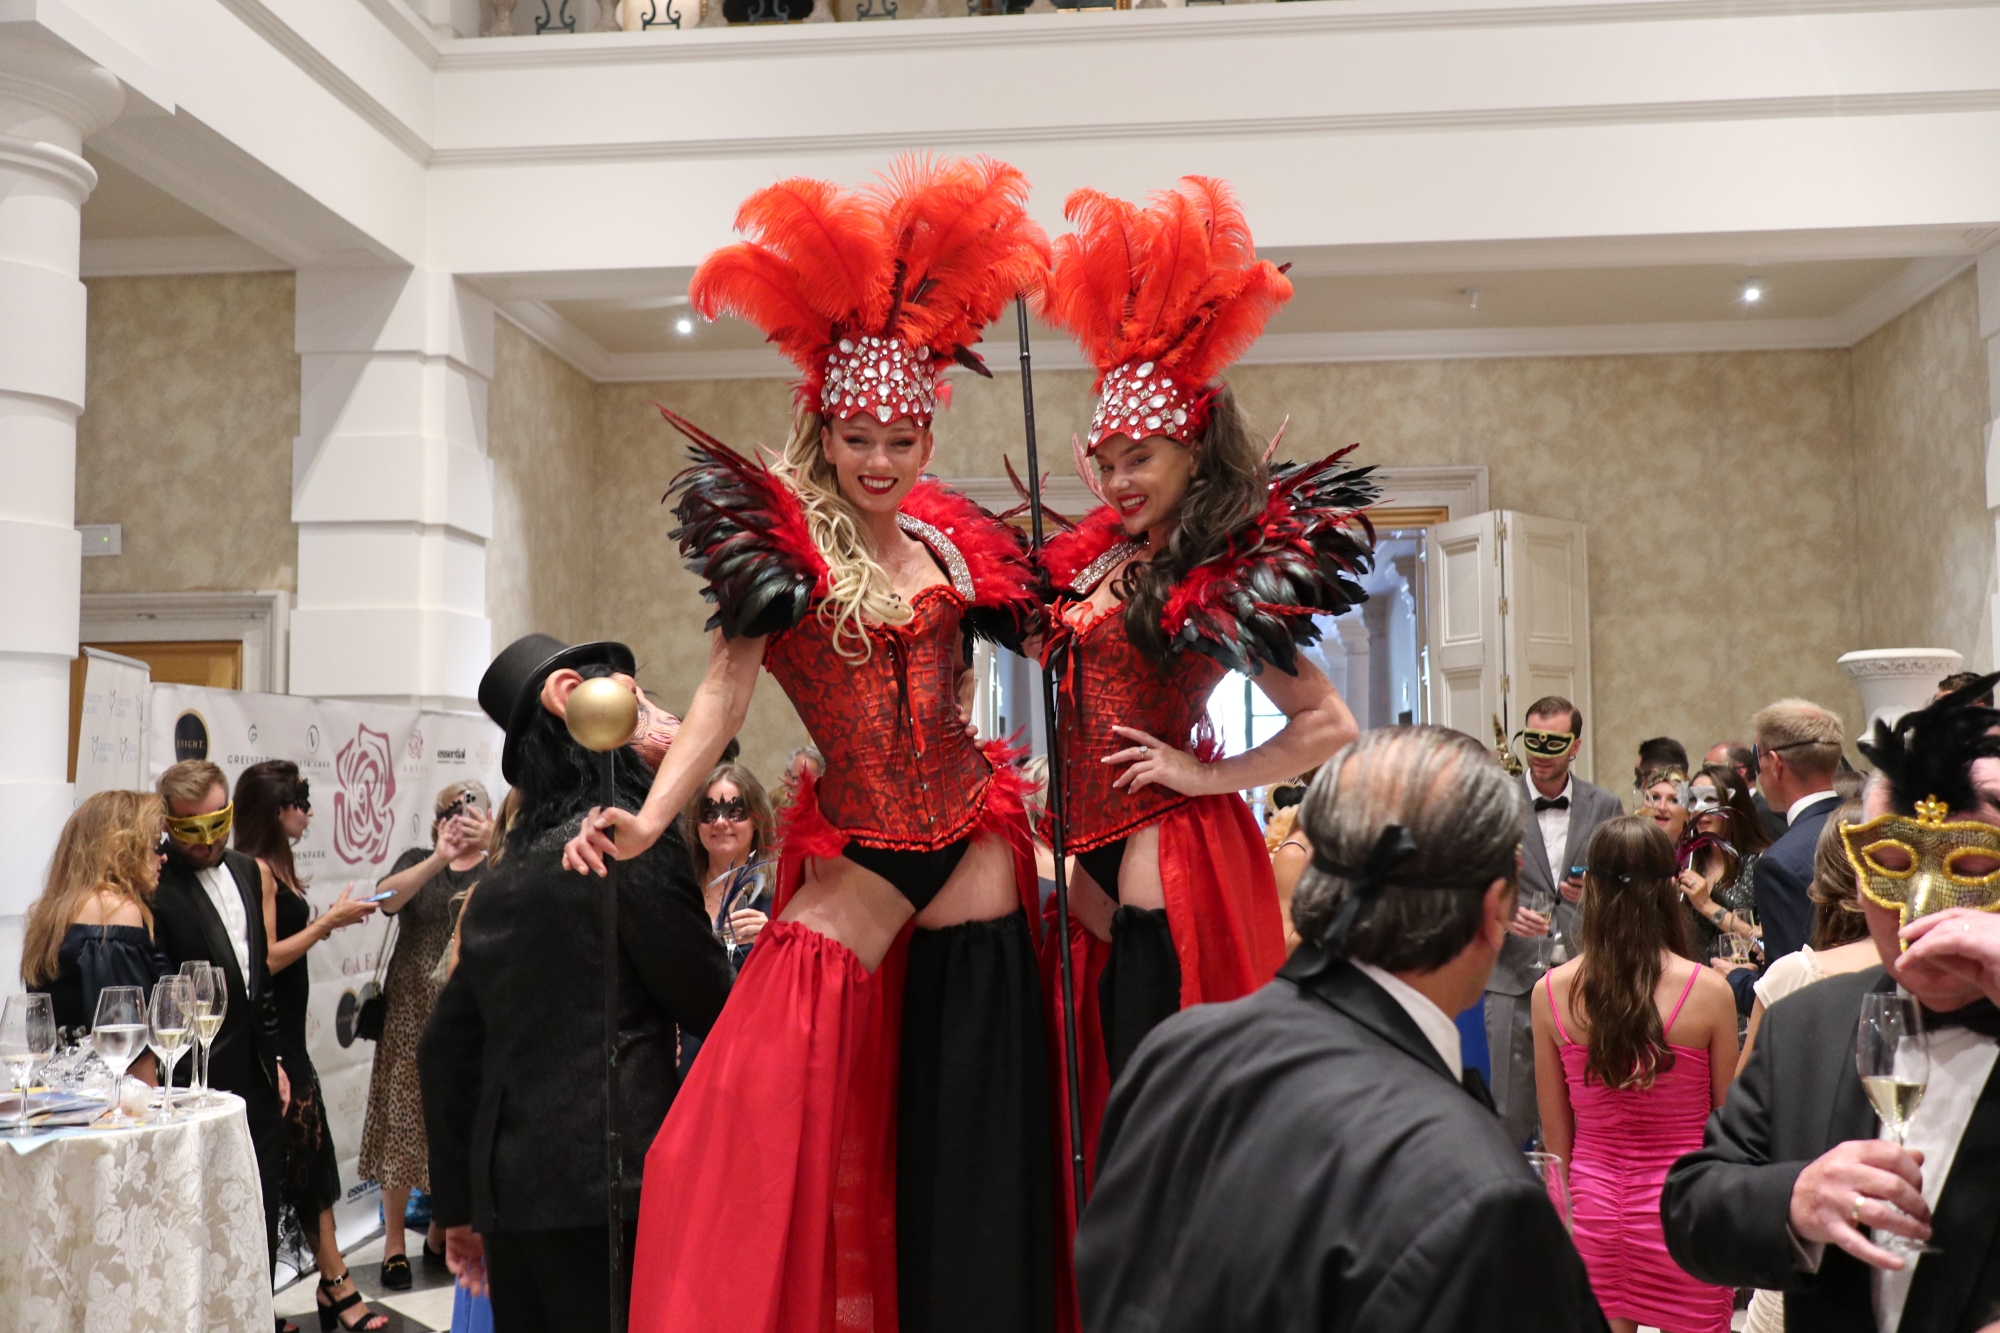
column 1980, row 1016
column 1551, row 803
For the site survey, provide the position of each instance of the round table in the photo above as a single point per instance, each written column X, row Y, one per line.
column 158, row 1227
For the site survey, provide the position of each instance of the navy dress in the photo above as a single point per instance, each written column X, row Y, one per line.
column 93, row 957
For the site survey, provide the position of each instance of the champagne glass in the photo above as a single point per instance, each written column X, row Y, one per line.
column 1555, row 1179
column 171, row 1029
column 210, row 987
column 27, row 1040
column 1892, row 1053
column 1543, row 904
column 118, row 1033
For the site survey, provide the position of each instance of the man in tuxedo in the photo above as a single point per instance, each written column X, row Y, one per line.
column 1798, row 752
column 210, row 906
column 1742, row 760
column 512, row 1060
column 1792, row 1189
column 1558, row 817
column 1313, row 1156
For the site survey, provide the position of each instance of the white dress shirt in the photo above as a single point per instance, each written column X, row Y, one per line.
column 1554, row 825
column 1432, row 1021
column 1805, row 803
column 1961, row 1062
column 220, row 886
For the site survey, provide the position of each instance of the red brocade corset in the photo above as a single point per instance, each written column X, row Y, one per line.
column 900, row 770
column 1106, row 683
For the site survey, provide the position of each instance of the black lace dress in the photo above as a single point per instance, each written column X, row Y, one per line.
column 311, row 1180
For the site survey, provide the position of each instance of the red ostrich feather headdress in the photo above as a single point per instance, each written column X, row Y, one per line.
column 870, row 292
column 1161, row 298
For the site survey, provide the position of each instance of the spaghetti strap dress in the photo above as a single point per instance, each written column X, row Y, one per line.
column 1626, row 1138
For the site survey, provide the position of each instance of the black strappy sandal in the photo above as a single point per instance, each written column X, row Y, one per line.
column 331, row 1310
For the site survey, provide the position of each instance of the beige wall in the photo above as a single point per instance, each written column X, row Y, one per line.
column 541, row 433
column 186, row 441
column 1923, row 552
column 1745, row 464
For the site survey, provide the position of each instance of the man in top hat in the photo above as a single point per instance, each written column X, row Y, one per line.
column 512, row 1061
column 1795, row 1189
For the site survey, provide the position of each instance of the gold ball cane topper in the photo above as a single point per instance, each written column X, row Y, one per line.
column 602, row 714
column 1931, row 811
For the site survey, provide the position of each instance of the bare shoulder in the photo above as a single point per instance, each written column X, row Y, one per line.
column 1711, row 997
column 106, row 908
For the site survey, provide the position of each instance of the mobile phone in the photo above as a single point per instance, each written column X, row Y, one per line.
column 385, row 894
column 1576, row 872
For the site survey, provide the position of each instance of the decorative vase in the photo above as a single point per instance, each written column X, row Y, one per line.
column 1892, row 681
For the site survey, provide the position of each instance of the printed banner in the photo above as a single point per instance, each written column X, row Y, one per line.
column 375, row 771
column 111, row 726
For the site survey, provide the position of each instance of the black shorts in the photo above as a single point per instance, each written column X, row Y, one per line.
column 918, row 876
column 1103, row 864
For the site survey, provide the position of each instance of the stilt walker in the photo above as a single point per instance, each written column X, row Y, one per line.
column 1203, row 559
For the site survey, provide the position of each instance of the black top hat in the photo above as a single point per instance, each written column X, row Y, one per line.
column 511, row 689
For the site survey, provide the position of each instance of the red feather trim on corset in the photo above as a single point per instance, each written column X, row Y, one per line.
column 926, row 257
column 1006, row 604
column 744, row 531
column 1067, row 554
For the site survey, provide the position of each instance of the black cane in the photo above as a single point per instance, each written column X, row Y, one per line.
column 1071, row 1076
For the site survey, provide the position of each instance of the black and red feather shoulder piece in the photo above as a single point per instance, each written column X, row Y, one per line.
column 744, row 531
column 1255, row 605
column 1067, row 554
column 1006, row 605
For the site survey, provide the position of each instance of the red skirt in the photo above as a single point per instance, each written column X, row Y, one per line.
column 1222, row 909
column 769, row 1202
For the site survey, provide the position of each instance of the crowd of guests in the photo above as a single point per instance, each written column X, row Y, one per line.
column 143, row 882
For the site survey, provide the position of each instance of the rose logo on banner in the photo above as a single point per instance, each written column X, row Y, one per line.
column 362, row 820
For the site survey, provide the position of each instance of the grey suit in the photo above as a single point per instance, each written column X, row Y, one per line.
column 1510, row 1037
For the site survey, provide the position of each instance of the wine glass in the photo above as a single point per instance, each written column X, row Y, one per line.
column 210, row 986
column 1555, row 1179
column 1892, row 1053
column 118, row 1033
column 172, row 1028
column 1543, row 904
column 27, row 1040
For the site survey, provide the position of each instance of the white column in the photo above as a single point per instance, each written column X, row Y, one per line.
column 1360, row 691
column 50, row 100
column 391, row 487
column 1989, row 329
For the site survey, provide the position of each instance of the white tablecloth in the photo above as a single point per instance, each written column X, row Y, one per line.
column 131, row 1231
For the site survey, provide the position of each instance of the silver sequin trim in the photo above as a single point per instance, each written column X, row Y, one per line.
column 946, row 549
column 1094, row 572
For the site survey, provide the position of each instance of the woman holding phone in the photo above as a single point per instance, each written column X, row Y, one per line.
column 418, row 892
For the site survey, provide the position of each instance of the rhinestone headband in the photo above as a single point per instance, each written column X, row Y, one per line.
column 1139, row 401
column 883, row 377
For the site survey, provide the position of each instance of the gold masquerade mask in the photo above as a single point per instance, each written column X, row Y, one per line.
column 202, row 830
column 1909, row 865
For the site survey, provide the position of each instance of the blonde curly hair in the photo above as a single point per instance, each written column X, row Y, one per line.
column 858, row 589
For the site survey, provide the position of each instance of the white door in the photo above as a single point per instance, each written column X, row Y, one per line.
column 1509, row 621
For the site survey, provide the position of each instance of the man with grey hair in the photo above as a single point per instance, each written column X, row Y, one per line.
column 1314, row 1155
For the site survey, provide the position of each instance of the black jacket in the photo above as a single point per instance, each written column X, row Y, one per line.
column 244, row 1058
column 1726, row 1207
column 512, row 1060
column 1784, row 910
column 1300, row 1159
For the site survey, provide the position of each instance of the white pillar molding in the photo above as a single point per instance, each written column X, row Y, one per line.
column 1989, row 329
column 1360, row 668
column 391, row 487
column 51, row 99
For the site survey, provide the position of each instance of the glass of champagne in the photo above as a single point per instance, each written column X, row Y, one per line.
column 171, row 1029
column 118, row 1034
column 1892, row 1053
column 1555, row 1179
column 27, row 1040
column 210, row 987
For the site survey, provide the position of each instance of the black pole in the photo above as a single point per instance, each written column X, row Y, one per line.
column 614, row 1153
column 1071, row 1076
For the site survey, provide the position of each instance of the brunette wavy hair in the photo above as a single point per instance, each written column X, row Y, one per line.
column 262, row 795
column 106, row 846
column 762, row 825
column 1631, row 916
column 1230, row 487
column 1836, row 897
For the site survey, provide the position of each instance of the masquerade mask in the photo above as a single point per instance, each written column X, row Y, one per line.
column 302, row 798
column 1701, row 800
column 1908, row 864
column 202, row 830
column 1549, row 744
column 735, row 810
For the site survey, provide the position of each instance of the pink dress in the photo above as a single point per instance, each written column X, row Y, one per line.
column 1626, row 1138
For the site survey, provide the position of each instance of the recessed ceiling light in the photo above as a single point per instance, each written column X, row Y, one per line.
column 684, row 326
column 1752, row 291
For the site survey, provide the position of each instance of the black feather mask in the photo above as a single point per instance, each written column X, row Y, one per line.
column 1929, row 752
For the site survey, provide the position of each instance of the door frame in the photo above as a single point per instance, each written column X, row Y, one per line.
column 260, row 621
